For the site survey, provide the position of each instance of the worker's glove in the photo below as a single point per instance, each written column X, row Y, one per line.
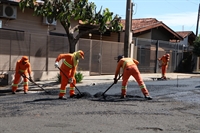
column 115, row 81
column 56, row 65
column 70, row 80
column 30, row 79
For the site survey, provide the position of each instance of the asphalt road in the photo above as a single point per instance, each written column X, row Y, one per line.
column 175, row 108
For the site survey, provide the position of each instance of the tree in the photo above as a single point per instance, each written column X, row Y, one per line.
column 196, row 49
column 67, row 10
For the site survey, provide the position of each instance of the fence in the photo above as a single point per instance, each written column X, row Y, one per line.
column 42, row 51
column 148, row 51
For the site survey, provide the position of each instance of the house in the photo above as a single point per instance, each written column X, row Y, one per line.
column 13, row 19
column 151, row 28
column 188, row 39
column 189, row 61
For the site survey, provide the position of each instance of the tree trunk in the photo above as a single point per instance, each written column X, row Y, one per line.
column 72, row 48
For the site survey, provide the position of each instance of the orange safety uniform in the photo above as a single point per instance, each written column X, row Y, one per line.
column 129, row 66
column 164, row 64
column 22, row 67
column 69, row 66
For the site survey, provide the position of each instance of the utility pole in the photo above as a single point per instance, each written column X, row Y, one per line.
column 128, row 29
column 198, row 21
column 197, row 63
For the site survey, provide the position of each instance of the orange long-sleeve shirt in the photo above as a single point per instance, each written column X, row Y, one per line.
column 125, row 62
column 69, row 58
column 164, row 60
column 24, row 68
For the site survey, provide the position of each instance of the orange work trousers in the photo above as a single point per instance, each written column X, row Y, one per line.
column 64, row 82
column 164, row 70
column 17, row 80
column 133, row 71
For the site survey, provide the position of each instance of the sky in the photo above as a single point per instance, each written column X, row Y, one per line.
column 179, row 15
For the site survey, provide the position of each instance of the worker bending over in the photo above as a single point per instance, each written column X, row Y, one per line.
column 164, row 64
column 129, row 66
column 68, row 70
column 23, row 68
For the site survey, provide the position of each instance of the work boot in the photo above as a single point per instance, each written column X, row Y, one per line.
column 148, row 97
column 13, row 92
column 62, row 98
column 25, row 92
column 123, row 96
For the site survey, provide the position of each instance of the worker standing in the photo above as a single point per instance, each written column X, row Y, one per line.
column 68, row 70
column 164, row 64
column 23, row 68
column 129, row 66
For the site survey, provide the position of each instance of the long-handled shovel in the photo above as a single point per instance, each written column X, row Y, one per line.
column 35, row 83
column 110, row 86
column 72, row 82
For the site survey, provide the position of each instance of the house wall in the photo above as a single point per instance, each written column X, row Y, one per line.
column 185, row 41
column 160, row 34
column 145, row 35
column 26, row 22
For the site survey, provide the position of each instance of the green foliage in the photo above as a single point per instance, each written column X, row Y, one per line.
column 65, row 11
column 196, row 49
column 58, row 78
column 78, row 76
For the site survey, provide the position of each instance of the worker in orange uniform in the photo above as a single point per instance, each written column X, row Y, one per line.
column 164, row 64
column 129, row 66
column 68, row 66
column 23, row 68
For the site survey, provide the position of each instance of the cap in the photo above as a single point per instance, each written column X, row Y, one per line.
column 119, row 58
column 81, row 53
column 25, row 58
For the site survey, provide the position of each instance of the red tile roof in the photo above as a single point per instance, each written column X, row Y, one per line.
column 144, row 24
column 185, row 33
column 141, row 23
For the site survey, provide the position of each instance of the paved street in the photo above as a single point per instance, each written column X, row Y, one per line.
column 175, row 107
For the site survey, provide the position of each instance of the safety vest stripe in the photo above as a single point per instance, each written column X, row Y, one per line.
column 72, row 88
column 62, row 91
column 124, row 64
column 22, row 70
column 67, row 64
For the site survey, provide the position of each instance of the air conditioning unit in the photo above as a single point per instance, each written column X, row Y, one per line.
column 7, row 11
column 49, row 21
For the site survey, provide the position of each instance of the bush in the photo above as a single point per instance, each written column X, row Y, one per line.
column 78, row 76
column 58, row 78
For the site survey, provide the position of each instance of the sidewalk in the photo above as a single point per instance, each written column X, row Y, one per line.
column 101, row 79
column 90, row 80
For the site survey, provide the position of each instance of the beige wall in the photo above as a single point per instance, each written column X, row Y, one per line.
column 31, row 24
